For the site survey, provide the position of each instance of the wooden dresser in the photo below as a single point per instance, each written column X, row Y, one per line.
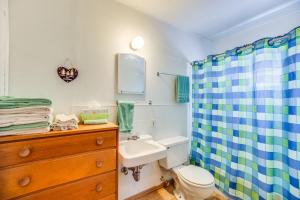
column 60, row 165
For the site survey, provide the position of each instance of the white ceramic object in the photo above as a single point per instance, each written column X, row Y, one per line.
column 177, row 153
column 139, row 152
column 191, row 182
column 195, row 183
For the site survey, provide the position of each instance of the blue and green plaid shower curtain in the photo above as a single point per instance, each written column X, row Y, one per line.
column 246, row 118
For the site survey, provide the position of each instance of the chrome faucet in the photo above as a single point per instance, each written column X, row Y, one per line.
column 134, row 137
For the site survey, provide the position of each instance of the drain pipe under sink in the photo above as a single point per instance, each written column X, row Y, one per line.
column 136, row 171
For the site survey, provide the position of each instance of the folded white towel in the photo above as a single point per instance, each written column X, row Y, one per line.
column 19, row 116
column 27, row 110
column 55, row 127
column 62, row 118
column 65, row 122
column 15, row 119
column 27, row 131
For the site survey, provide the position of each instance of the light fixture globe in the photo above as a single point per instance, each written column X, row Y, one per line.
column 137, row 43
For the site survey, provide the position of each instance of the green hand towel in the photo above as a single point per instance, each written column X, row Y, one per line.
column 24, row 127
column 182, row 89
column 7, row 102
column 125, row 116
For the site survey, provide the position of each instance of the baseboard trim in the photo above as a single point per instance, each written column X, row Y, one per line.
column 145, row 192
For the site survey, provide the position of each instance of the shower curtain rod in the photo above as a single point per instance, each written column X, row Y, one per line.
column 162, row 73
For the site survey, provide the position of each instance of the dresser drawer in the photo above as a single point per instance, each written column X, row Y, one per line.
column 94, row 188
column 110, row 197
column 37, row 149
column 23, row 179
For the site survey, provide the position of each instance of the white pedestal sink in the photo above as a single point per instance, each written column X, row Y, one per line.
column 139, row 152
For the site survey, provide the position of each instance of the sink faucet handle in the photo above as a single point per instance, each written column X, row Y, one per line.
column 134, row 137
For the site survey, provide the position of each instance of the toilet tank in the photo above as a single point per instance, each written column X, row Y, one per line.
column 177, row 151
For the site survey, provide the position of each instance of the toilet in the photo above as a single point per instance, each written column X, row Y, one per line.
column 191, row 182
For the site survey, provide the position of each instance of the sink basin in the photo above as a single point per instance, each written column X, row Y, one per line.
column 139, row 152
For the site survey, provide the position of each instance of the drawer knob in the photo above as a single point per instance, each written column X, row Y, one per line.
column 99, row 164
column 99, row 141
column 23, row 153
column 99, row 188
column 24, row 181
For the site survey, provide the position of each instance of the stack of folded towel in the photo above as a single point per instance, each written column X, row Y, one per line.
column 65, row 122
column 24, row 115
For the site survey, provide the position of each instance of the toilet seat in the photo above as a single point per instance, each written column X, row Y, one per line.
column 195, row 176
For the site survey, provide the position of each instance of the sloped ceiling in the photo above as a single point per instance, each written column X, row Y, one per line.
column 210, row 18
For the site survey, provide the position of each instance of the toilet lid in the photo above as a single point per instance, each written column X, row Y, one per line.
column 196, row 175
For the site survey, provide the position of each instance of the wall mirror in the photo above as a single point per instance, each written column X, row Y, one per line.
column 131, row 74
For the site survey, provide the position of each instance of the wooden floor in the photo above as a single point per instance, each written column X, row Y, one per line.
column 164, row 194
column 160, row 194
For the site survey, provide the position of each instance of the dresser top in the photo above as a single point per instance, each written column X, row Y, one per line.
column 80, row 130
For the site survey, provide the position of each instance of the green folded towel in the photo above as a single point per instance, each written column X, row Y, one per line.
column 182, row 89
column 125, row 116
column 24, row 127
column 7, row 102
column 95, row 121
column 93, row 116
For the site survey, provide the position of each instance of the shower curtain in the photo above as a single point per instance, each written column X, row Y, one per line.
column 246, row 118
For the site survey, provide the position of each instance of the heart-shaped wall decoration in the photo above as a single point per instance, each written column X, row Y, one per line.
column 66, row 74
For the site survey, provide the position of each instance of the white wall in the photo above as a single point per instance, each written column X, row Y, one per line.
column 43, row 33
column 46, row 32
column 4, row 47
column 270, row 26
